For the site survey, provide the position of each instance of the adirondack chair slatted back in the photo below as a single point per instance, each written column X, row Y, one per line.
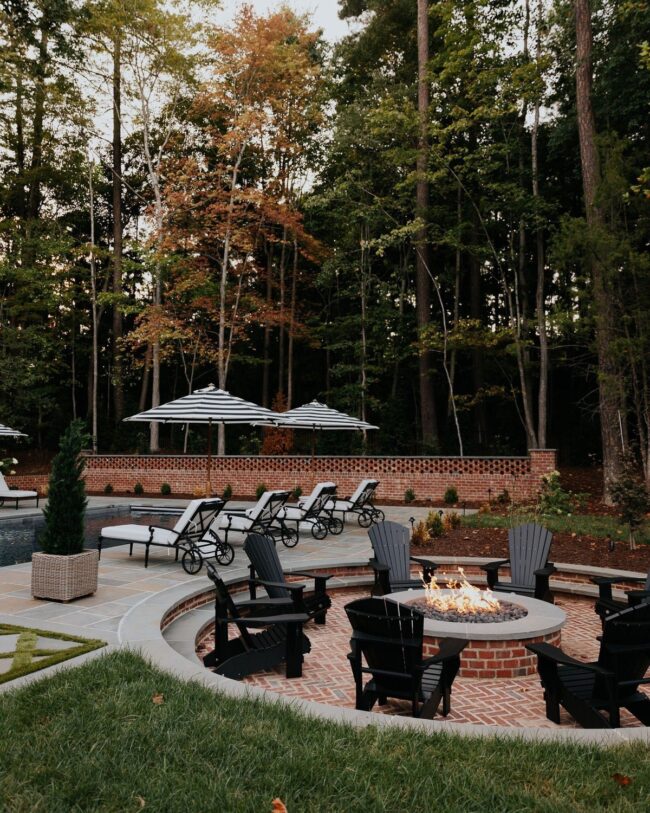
column 225, row 608
column 269, row 511
column 391, row 544
column 364, row 493
column 390, row 637
column 196, row 519
column 317, row 501
column 529, row 546
column 266, row 562
column 625, row 649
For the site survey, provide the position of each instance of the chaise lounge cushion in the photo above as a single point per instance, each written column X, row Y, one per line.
column 139, row 533
column 6, row 492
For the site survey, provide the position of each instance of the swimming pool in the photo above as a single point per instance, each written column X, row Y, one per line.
column 19, row 537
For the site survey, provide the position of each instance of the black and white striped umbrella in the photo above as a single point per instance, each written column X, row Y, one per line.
column 209, row 405
column 319, row 416
column 8, row 432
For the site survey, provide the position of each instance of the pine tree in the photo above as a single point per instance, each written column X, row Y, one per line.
column 66, row 507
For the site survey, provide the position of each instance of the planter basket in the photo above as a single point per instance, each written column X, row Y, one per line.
column 63, row 578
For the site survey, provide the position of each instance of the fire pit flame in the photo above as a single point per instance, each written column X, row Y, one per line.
column 463, row 598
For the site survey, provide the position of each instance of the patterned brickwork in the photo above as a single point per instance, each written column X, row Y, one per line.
column 512, row 702
column 429, row 477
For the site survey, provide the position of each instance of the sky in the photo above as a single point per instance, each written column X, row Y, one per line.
column 324, row 13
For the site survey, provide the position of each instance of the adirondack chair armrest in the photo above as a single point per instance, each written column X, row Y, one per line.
column 292, row 587
column 428, row 567
column 637, row 596
column 605, row 584
column 378, row 567
column 263, row 603
column 548, row 570
column 552, row 653
column 449, row 648
column 492, row 570
column 265, row 621
column 309, row 575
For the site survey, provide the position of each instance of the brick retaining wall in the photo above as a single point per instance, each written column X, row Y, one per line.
column 429, row 477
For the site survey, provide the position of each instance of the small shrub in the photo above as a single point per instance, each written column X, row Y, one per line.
column 138, row 489
column 108, row 488
column 451, row 521
column 6, row 465
column 630, row 496
column 165, row 489
column 420, row 537
column 409, row 495
column 260, row 490
column 503, row 498
column 434, row 524
column 297, row 493
column 553, row 499
column 227, row 492
column 451, row 496
column 485, row 508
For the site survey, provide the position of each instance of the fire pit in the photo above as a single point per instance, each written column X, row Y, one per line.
column 462, row 602
column 497, row 628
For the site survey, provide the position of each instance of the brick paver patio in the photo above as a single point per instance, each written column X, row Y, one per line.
column 327, row 677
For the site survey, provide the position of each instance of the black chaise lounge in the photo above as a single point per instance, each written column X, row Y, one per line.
column 594, row 693
column 313, row 512
column 194, row 534
column 266, row 571
column 607, row 604
column 388, row 636
column 391, row 545
column 265, row 517
column 280, row 639
column 360, row 504
column 529, row 547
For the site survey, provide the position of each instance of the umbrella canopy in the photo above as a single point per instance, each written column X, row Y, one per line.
column 209, row 405
column 319, row 416
column 7, row 432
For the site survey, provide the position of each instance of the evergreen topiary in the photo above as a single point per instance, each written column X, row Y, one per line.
column 227, row 492
column 260, row 490
column 451, row 496
column 66, row 508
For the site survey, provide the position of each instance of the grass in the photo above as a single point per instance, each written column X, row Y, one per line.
column 94, row 739
column 581, row 524
column 25, row 652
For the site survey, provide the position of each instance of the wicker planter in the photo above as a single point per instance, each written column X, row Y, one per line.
column 63, row 578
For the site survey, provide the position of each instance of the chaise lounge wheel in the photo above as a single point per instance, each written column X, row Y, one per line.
column 319, row 530
column 289, row 538
column 224, row 553
column 192, row 562
column 335, row 526
column 365, row 519
column 378, row 515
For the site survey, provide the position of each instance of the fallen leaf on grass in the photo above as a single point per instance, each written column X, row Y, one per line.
column 279, row 806
column 621, row 779
column 158, row 699
column 140, row 801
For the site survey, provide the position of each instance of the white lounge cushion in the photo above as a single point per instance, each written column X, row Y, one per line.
column 138, row 533
column 293, row 513
column 339, row 505
column 359, row 489
column 7, row 493
column 236, row 523
column 306, row 503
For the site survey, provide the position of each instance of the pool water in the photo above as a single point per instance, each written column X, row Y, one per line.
column 19, row 537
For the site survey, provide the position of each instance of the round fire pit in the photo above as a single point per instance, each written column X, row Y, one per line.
column 496, row 648
column 505, row 611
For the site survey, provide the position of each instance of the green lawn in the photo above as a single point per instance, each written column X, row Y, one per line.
column 587, row 524
column 92, row 738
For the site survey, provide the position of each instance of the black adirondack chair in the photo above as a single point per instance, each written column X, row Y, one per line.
column 388, row 636
column 529, row 547
column 586, row 690
column 280, row 639
column 391, row 545
column 266, row 571
column 607, row 604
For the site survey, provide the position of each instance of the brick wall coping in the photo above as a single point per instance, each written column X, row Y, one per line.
column 215, row 458
column 140, row 629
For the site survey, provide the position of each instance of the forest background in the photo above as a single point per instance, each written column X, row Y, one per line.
column 439, row 224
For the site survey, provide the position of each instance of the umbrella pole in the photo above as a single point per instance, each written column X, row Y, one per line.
column 208, row 484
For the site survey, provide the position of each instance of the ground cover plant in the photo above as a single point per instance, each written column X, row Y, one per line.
column 118, row 734
column 28, row 657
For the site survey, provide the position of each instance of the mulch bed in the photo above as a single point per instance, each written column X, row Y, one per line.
column 583, row 550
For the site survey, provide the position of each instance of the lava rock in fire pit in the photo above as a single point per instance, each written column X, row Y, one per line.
column 505, row 612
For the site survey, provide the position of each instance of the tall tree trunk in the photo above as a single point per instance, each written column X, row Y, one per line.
column 146, row 379
column 292, row 321
column 428, row 416
column 609, row 378
column 34, row 198
column 266, row 370
column 95, row 326
column 540, row 302
column 281, row 328
column 118, row 384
